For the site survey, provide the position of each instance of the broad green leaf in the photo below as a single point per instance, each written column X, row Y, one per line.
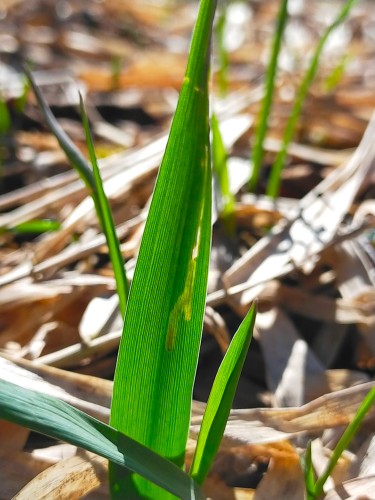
column 163, row 323
column 93, row 182
column 258, row 149
column 55, row 418
column 108, row 224
column 275, row 177
column 221, row 398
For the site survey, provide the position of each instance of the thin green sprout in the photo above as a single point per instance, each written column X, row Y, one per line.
column 223, row 57
column 219, row 161
column 91, row 179
column 274, row 182
column 344, row 442
column 107, row 221
column 258, row 149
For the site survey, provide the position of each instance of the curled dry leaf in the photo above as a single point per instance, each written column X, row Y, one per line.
column 296, row 243
column 283, row 480
column 361, row 488
column 17, row 469
column 215, row 325
column 346, row 310
column 70, row 478
column 366, row 458
column 265, row 425
column 294, row 374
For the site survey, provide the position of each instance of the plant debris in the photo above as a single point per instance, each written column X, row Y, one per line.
column 307, row 257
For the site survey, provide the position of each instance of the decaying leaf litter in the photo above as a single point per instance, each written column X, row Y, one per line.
column 308, row 257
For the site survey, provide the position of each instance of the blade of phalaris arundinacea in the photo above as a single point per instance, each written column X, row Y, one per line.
column 163, row 322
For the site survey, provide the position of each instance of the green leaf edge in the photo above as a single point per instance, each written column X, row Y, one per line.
column 193, row 102
column 106, row 218
column 52, row 417
column 221, row 398
column 308, row 471
column 344, row 441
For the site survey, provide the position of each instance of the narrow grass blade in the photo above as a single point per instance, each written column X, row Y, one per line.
column 108, row 224
column 5, row 121
column 20, row 101
column 337, row 73
column 258, row 150
column 71, row 151
column 93, row 182
column 219, row 161
column 116, row 67
column 344, row 441
column 275, row 177
column 223, row 58
column 33, row 226
column 163, row 323
column 221, row 398
column 309, row 473
column 55, row 418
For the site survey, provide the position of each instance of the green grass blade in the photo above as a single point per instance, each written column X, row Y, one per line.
column 273, row 186
column 71, row 151
column 163, row 323
column 34, row 226
column 93, row 182
column 55, row 418
column 5, row 122
column 309, row 473
column 221, row 399
column 223, row 57
column 337, row 73
column 258, row 149
column 344, row 441
column 108, row 224
column 219, row 161
column 20, row 101
column 116, row 67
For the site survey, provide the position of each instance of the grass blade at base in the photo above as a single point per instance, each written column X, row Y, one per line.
column 307, row 468
column 55, row 418
column 221, row 398
column 163, row 322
